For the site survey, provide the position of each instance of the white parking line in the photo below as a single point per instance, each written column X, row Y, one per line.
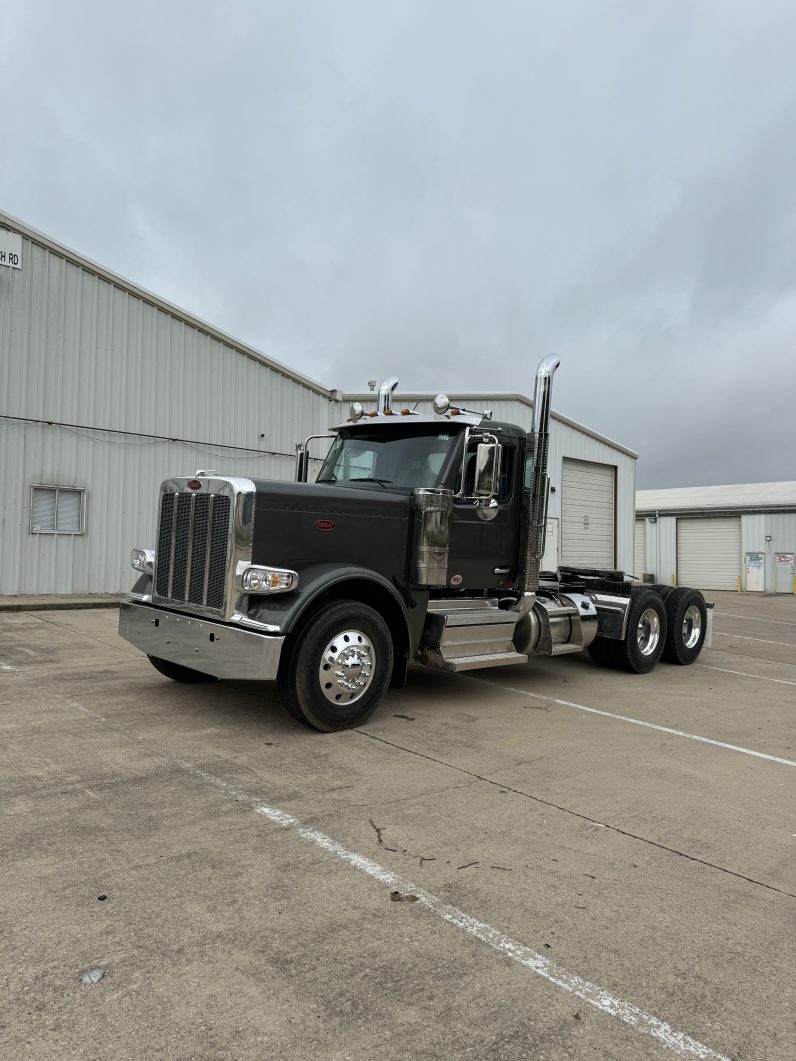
column 588, row 992
column 592, row 994
column 745, row 637
column 745, row 674
column 637, row 722
column 754, row 619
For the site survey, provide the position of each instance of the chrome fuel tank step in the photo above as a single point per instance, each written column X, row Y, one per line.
column 466, row 635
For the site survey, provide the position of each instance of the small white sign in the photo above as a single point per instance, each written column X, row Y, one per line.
column 10, row 249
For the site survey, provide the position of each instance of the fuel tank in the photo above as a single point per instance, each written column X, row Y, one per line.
column 557, row 623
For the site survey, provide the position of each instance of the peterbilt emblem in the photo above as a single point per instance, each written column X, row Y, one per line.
column 325, row 524
column 194, row 484
column 456, row 580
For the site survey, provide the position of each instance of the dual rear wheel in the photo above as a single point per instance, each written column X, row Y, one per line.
column 670, row 627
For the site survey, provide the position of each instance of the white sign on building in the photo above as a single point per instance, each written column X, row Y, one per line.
column 10, row 249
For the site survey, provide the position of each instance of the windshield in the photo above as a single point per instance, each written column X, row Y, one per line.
column 389, row 457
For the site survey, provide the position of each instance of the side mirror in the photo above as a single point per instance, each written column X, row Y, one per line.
column 487, row 469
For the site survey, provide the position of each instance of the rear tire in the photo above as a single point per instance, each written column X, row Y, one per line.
column 662, row 591
column 178, row 673
column 645, row 636
column 687, row 618
column 337, row 668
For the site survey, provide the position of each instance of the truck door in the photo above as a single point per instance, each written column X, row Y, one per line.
column 483, row 541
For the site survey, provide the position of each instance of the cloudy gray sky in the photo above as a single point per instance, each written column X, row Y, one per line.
column 445, row 190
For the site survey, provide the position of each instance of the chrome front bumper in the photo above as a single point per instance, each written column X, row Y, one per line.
column 220, row 649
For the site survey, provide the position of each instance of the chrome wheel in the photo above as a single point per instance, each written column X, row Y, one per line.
column 692, row 626
column 648, row 632
column 347, row 667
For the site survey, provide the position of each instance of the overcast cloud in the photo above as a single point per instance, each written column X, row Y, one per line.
column 445, row 191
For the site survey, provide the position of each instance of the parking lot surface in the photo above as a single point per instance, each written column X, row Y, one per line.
column 547, row 861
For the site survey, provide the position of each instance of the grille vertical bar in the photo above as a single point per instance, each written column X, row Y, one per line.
column 193, row 548
column 219, row 540
column 165, row 535
column 199, row 535
column 182, row 546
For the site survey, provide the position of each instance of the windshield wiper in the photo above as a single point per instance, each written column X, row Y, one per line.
column 371, row 479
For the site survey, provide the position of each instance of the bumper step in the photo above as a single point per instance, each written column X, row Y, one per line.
column 462, row 663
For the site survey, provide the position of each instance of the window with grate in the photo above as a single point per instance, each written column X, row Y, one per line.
column 57, row 510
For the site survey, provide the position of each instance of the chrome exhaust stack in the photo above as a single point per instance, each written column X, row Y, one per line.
column 386, row 393
column 536, row 498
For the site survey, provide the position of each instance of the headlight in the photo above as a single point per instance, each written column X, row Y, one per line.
column 256, row 579
column 143, row 560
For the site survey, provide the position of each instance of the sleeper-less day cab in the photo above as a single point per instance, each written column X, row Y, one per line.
column 420, row 540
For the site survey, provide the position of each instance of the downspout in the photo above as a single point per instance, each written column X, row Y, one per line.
column 535, row 499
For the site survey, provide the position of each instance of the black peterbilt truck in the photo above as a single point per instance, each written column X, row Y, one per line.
column 420, row 540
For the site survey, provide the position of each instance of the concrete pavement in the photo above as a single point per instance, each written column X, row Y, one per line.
column 232, row 873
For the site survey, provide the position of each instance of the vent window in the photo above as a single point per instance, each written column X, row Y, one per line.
column 57, row 510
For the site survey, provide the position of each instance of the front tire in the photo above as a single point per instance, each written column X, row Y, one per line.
column 645, row 636
column 178, row 673
column 688, row 622
column 337, row 668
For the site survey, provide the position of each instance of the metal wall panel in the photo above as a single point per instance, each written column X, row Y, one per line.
column 640, row 565
column 587, row 514
column 664, row 542
column 781, row 526
column 709, row 553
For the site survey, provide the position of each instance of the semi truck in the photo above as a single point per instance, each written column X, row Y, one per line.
column 420, row 540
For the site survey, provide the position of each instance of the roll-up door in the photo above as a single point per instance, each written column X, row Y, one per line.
column 587, row 514
column 709, row 553
column 641, row 548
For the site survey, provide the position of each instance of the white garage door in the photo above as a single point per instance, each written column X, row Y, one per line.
column 641, row 548
column 709, row 553
column 587, row 514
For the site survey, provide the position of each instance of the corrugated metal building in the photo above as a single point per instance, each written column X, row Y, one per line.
column 719, row 537
column 106, row 389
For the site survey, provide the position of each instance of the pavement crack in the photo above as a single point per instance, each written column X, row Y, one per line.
column 406, row 799
column 578, row 814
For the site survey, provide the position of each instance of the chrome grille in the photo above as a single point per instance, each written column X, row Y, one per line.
column 193, row 543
